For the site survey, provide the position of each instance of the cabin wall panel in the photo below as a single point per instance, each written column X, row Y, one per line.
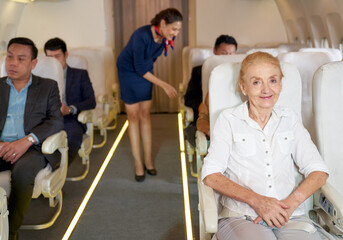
column 319, row 19
column 10, row 16
column 78, row 22
column 246, row 20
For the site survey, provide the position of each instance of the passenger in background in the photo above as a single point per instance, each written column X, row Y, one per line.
column 78, row 95
column 252, row 157
column 30, row 112
column 224, row 45
column 135, row 72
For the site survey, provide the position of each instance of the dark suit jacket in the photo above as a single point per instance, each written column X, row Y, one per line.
column 42, row 115
column 79, row 91
column 193, row 96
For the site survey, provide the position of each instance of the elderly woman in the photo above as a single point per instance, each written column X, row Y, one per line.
column 254, row 148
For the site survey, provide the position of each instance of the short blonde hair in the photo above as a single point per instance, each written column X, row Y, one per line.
column 256, row 58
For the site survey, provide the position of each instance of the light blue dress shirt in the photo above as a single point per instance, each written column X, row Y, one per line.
column 14, row 125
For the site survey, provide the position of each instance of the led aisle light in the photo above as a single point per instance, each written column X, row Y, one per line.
column 187, row 207
column 95, row 183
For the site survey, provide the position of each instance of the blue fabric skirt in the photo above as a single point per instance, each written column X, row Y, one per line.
column 134, row 88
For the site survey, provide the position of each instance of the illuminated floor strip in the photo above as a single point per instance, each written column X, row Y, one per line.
column 187, row 207
column 94, row 184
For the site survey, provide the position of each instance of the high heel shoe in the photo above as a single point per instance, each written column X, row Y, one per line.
column 151, row 172
column 139, row 178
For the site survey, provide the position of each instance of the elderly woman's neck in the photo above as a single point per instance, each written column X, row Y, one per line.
column 261, row 116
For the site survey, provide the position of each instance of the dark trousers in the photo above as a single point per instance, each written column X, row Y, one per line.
column 74, row 132
column 24, row 172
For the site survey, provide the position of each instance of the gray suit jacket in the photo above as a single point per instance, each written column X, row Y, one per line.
column 42, row 115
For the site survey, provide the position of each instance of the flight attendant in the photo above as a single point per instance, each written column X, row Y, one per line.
column 135, row 73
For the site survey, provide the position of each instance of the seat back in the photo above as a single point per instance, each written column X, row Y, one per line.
column 334, row 53
column 3, row 215
column 328, row 114
column 272, row 51
column 79, row 62
column 100, row 67
column 307, row 63
column 214, row 61
column 192, row 57
column 292, row 47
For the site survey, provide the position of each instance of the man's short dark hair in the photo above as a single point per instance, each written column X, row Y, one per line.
column 225, row 39
column 26, row 42
column 54, row 44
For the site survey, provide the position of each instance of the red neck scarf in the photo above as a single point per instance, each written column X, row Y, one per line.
column 165, row 41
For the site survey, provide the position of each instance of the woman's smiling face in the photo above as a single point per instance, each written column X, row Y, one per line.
column 262, row 84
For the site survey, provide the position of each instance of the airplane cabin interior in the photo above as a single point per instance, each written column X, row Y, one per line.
column 96, row 196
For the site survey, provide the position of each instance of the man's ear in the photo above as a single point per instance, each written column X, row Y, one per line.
column 34, row 63
column 66, row 54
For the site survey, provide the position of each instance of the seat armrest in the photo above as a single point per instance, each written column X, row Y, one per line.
column 85, row 116
column 115, row 87
column 331, row 201
column 208, row 207
column 181, row 89
column 54, row 142
column 201, row 143
column 102, row 98
column 189, row 115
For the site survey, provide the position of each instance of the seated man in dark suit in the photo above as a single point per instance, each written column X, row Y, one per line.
column 29, row 113
column 224, row 45
column 78, row 95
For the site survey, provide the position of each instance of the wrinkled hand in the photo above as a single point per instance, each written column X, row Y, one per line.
column 272, row 211
column 170, row 90
column 11, row 152
column 64, row 109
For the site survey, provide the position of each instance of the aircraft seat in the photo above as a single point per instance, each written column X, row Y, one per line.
column 209, row 65
column 292, row 47
column 101, row 72
column 223, row 84
column 85, row 117
column 191, row 57
column 335, row 54
column 3, row 214
column 273, row 51
column 307, row 63
column 47, row 183
column 327, row 105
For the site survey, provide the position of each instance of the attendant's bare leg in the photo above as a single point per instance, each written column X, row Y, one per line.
column 132, row 111
column 145, row 127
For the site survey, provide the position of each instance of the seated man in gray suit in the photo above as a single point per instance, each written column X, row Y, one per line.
column 29, row 113
column 78, row 95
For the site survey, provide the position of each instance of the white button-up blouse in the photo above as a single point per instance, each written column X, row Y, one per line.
column 261, row 160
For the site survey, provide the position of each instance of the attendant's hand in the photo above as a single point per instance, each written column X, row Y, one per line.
column 11, row 152
column 65, row 109
column 272, row 211
column 170, row 90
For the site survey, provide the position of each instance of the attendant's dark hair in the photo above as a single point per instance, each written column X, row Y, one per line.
column 169, row 15
column 225, row 39
column 54, row 44
column 26, row 42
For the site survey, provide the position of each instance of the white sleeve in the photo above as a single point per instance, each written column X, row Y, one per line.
column 306, row 154
column 219, row 151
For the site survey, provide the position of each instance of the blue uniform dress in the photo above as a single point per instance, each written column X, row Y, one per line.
column 136, row 59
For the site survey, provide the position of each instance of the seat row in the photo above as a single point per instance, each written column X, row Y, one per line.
column 99, row 61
